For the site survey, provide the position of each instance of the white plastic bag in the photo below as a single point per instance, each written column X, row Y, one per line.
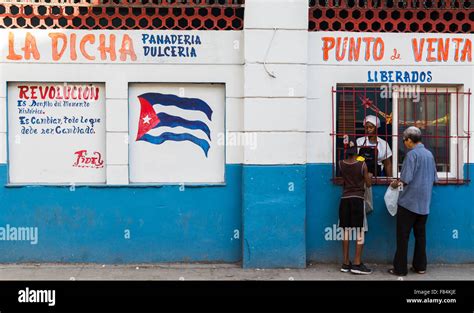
column 391, row 200
column 369, row 204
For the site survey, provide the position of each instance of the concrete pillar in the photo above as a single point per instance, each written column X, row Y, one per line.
column 274, row 173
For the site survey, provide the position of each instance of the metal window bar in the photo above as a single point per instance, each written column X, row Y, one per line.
column 443, row 135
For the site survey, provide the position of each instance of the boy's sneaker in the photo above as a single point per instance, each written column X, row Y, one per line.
column 346, row 267
column 360, row 269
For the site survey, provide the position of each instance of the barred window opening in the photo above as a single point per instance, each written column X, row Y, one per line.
column 439, row 111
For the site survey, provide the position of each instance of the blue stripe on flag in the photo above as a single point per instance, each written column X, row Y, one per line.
column 175, row 121
column 157, row 140
column 182, row 103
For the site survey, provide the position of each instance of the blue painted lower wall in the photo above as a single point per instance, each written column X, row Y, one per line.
column 265, row 216
column 88, row 224
column 450, row 225
column 274, row 209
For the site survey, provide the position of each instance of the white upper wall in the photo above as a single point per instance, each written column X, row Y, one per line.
column 280, row 14
column 275, row 42
column 275, row 87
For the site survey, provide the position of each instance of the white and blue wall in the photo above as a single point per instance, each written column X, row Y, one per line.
column 278, row 197
column 450, row 228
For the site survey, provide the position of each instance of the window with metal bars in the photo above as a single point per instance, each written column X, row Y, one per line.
column 376, row 116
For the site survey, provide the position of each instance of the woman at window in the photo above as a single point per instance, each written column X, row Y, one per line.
column 375, row 150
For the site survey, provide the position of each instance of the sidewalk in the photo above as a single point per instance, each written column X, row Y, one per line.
column 178, row 271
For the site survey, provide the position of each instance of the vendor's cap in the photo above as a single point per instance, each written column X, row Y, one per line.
column 372, row 119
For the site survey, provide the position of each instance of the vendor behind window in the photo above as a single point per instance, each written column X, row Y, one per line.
column 375, row 150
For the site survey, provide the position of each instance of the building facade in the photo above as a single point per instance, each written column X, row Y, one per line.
column 208, row 131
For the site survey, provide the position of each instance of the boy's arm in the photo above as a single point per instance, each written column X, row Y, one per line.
column 367, row 176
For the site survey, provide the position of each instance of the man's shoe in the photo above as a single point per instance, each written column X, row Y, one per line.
column 346, row 267
column 392, row 271
column 415, row 271
column 360, row 269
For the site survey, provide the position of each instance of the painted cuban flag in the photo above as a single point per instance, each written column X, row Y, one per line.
column 153, row 121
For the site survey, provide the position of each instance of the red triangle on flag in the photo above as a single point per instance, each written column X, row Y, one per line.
column 148, row 118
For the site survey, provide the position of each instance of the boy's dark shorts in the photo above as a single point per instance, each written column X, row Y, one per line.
column 351, row 212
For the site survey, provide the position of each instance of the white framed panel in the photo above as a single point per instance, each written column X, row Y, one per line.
column 56, row 133
column 176, row 132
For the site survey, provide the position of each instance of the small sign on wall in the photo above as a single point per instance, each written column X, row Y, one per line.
column 174, row 131
column 56, row 133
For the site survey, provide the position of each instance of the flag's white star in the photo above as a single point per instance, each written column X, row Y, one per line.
column 146, row 120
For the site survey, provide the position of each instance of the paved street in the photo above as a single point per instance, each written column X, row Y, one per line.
column 176, row 271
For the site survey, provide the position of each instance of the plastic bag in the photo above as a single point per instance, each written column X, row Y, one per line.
column 391, row 200
column 369, row 205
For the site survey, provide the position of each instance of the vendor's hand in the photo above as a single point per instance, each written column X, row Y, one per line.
column 395, row 183
column 371, row 175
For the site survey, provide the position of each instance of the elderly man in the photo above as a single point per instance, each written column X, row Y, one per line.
column 375, row 150
column 418, row 176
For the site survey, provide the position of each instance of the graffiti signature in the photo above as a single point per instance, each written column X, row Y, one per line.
column 83, row 160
